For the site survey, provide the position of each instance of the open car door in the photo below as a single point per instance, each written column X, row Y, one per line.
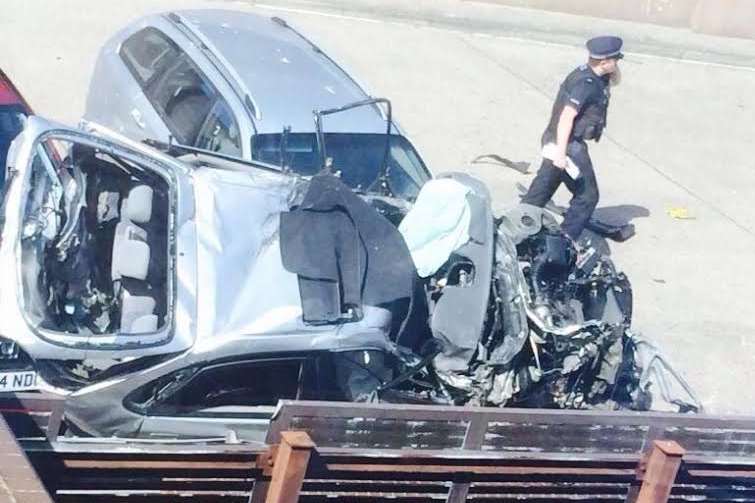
column 88, row 260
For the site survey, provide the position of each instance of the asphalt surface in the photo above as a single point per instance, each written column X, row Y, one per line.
column 470, row 79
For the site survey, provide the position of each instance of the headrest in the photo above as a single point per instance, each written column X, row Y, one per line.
column 138, row 205
column 130, row 259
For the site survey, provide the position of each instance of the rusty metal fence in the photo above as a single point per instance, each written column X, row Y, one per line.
column 318, row 451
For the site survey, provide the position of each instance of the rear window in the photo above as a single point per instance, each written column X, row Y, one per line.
column 147, row 53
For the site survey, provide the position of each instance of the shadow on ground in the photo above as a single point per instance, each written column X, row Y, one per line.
column 621, row 214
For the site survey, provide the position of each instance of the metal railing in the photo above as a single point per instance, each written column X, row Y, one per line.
column 318, row 451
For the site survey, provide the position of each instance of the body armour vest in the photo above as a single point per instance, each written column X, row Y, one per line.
column 590, row 95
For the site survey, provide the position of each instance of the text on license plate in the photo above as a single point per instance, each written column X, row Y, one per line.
column 18, row 381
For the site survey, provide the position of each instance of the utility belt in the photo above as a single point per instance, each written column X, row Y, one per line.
column 583, row 132
column 590, row 125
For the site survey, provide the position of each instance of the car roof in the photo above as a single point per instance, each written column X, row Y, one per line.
column 286, row 75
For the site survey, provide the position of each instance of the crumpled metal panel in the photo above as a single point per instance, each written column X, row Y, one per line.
column 459, row 316
column 238, row 256
column 511, row 290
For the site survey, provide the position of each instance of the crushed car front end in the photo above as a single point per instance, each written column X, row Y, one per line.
column 510, row 314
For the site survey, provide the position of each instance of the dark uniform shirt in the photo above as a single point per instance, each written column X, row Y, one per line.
column 589, row 94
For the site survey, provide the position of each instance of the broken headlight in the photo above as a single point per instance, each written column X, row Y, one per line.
column 9, row 350
column 12, row 357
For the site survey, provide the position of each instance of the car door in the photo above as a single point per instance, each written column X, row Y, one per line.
column 70, row 288
column 209, row 401
column 242, row 395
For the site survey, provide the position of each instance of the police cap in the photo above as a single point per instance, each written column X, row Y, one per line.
column 605, row 47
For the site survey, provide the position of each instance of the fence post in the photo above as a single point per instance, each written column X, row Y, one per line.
column 289, row 467
column 662, row 467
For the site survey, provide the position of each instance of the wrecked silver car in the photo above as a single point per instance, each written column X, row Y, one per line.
column 177, row 292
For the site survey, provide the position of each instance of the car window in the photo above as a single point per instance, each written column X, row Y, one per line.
column 220, row 132
column 343, row 376
column 147, row 53
column 180, row 93
column 184, row 98
column 248, row 383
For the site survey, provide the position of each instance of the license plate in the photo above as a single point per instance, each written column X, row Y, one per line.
column 18, row 381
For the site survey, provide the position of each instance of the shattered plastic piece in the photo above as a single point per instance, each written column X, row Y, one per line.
column 571, row 363
column 107, row 206
column 503, row 388
column 611, row 362
column 535, row 374
column 102, row 321
column 457, row 381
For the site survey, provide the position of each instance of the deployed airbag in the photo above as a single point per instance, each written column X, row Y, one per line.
column 437, row 225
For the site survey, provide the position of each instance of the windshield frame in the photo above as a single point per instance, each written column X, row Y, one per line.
column 418, row 173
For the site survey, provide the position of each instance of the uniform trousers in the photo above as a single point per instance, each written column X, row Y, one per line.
column 584, row 188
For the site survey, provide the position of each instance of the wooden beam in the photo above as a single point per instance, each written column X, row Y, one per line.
column 289, row 467
column 662, row 467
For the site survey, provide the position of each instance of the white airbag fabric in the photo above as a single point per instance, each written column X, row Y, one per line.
column 437, row 224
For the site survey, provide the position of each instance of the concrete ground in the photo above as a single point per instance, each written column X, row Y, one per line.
column 468, row 79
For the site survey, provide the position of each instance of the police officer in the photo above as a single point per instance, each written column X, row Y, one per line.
column 578, row 115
